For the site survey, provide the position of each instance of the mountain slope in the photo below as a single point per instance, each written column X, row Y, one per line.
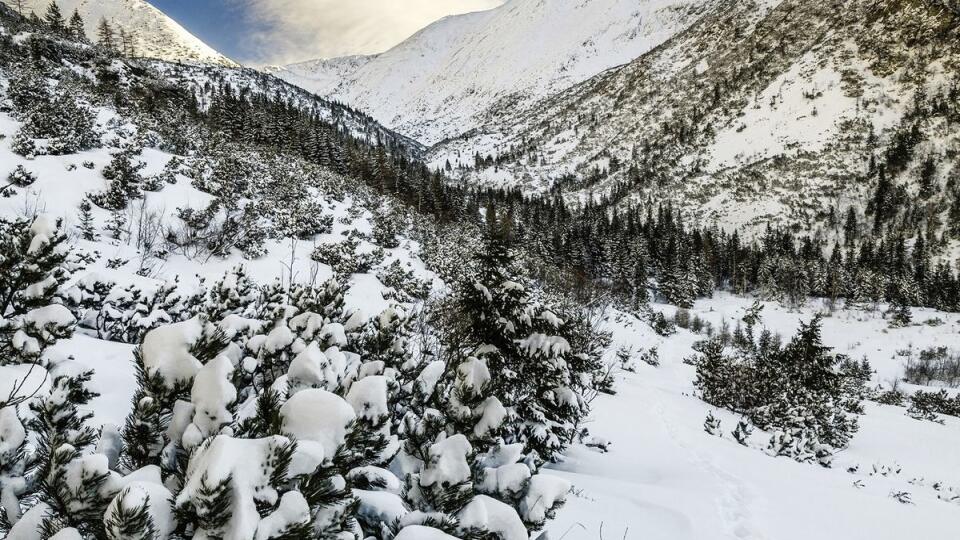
column 155, row 34
column 761, row 112
column 453, row 74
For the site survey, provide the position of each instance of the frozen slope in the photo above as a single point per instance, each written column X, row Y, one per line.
column 450, row 76
column 155, row 34
column 664, row 478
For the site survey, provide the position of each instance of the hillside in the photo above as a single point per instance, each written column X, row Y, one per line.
column 458, row 72
column 155, row 35
column 773, row 112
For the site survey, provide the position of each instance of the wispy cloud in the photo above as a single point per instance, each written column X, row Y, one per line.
column 293, row 30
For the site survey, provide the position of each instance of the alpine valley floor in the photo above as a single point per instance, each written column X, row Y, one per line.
column 665, row 478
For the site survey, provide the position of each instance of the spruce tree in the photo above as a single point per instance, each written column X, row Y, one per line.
column 86, row 225
column 105, row 35
column 77, row 30
column 33, row 267
column 742, row 433
column 76, row 499
column 54, row 18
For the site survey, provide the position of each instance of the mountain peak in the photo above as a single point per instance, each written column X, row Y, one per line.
column 448, row 77
column 155, row 35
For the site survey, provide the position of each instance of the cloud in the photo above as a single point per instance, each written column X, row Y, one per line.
column 287, row 31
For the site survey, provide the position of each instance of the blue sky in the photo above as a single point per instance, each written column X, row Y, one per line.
column 286, row 31
column 220, row 23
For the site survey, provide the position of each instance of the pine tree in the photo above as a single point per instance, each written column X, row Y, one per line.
column 77, row 29
column 32, row 269
column 54, row 18
column 87, row 226
column 743, row 432
column 13, row 459
column 126, row 184
column 712, row 425
column 78, row 499
column 899, row 312
column 105, row 35
column 850, row 227
column 127, row 43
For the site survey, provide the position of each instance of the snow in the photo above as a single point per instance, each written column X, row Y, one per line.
column 506, row 479
column 544, row 492
column 293, row 509
column 492, row 415
column 144, row 487
column 447, row 78
column 664, row 478
column 380, row 506
column 368, row 397
column 12, row 433
column 430, row 376
column 329, row 429
column 448, row 462
column 211, row 394
column 497, row 517
column 474, row 373
column 309, row 369
column 224, row 457
column 544, row 345
column 28, row 524
column 420, row 532
column 12, row 482
column 68, row 533
column 166, row 351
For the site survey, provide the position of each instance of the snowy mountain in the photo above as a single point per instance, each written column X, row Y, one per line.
column 462, row 70
column 760, row 112
column 155, row 35
column 234, row 309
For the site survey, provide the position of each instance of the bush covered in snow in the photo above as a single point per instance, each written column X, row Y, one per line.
column 799, row 389
column 53, row 120
column 269, row 412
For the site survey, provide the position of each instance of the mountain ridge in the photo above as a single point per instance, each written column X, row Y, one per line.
column 155, row 34
column 453, row 74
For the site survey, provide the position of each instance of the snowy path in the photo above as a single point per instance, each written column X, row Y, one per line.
column 665, row 478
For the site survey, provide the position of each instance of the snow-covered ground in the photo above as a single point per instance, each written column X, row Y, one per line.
column 665, row 478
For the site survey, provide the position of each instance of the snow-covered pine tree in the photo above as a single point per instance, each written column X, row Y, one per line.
column 33, row 267
column 387, row 225
column 70, row 481
column 21, row 177
column 899, row 312
column 166, row 362
column 513, row 362
column 233, row 294
column 712, row 425
column 86, row 224
column 123, row 172
column 742, row 433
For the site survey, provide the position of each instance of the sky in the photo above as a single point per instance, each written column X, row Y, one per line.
column 260, row 32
